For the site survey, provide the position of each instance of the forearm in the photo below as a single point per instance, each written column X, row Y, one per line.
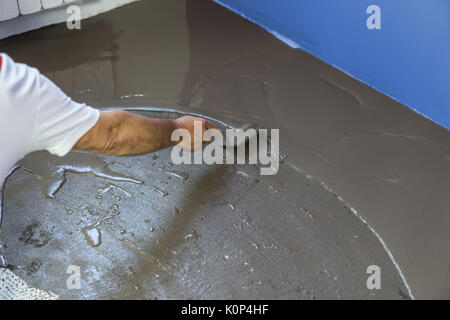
column 140, row 135
column 124, row 133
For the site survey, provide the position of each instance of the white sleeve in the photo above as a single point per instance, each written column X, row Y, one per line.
column 36, row 115
column 60, row 121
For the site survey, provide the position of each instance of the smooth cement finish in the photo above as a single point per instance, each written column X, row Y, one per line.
column 365, row 182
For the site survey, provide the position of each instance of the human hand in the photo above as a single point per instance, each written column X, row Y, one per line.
column 196, row 127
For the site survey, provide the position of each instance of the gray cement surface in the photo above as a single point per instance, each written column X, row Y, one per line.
column 208, row 232
column 219, row 233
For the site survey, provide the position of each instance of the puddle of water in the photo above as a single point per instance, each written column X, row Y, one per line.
column 51, row 170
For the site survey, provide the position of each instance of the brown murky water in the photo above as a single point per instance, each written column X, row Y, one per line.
column 389, row 166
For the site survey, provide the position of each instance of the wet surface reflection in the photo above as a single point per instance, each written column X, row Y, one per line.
column 383, row 160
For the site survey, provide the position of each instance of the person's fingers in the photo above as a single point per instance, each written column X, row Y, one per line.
column 196, row 138
column 209, row 125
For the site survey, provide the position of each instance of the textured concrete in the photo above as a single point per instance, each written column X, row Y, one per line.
column 301, row 241
column 206, row 232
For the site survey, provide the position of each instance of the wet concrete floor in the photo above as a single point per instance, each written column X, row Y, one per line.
column 353, row 154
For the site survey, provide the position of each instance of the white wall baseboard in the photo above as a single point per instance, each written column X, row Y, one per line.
column 45, row 17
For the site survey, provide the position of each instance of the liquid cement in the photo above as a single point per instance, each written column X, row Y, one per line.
column 364, row 180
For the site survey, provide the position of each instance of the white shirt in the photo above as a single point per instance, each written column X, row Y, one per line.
column 36, row 115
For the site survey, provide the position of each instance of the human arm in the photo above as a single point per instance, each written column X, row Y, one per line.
column 121, row 133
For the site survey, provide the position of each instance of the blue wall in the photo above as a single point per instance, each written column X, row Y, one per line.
column 407, row 59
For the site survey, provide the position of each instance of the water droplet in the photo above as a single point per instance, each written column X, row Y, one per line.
column 161, row 192
column 92, row 235
column 131, row 271
column 3, row 262
column 178, row 174
column 307, row 213
column 253, row 173
column 111, row 186
column 192, row 236
column 90, row 210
